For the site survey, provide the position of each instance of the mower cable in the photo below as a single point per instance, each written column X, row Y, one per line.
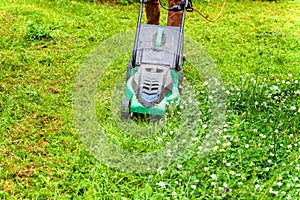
column 163, row 5
column 206, row 17
column 200, row 13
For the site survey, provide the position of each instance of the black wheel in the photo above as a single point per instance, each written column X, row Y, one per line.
column 180, row 79
column 125, row 113
column 155, row 118
column 128, row 71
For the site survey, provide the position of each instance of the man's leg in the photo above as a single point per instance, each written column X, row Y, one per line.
column 174, row 18
column 152, row 12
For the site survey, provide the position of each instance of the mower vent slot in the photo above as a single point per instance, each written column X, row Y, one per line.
column 150, row 86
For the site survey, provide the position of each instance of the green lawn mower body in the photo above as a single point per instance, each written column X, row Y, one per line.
column 154, row 73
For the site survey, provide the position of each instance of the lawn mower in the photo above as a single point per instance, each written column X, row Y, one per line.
column 154, row 73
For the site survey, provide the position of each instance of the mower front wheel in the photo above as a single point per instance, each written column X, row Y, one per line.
column 125, row 113
column 180, row 79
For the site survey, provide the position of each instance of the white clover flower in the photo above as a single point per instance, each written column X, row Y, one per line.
column 274, row 88
column 206, row 169
column 228, row 164
column 288, row 197
column 240, row 183
column 295, row 179
column 179, row 166
column 279, row 184
column 162, row 172
column 161, row 184
column 222, row 150
column 193, row 186
column 225, row 185
column 257, row 186
column 267, row 169
column 255, row 130
column 262, row 135
column 298, row 167
column 159, row 139
column 246, row 146
column 214, row 177
column 205, row 83
column 296, row 81
column 293, row 108
column 271, row 190
column 232, row 172
column 174, row 193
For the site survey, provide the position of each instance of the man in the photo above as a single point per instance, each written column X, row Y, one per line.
column 153, row 13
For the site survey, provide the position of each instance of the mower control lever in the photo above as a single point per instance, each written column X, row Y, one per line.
column 176, row 8
column 181, row 6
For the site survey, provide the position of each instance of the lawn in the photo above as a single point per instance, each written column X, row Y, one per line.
column 48, row 46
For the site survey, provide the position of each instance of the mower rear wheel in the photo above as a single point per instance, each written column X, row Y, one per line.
column 155, row 118
column 129, row 67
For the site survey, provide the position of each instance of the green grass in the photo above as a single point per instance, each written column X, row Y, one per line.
column 255, row 46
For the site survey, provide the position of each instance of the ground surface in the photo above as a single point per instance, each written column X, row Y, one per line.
column 255, row 46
